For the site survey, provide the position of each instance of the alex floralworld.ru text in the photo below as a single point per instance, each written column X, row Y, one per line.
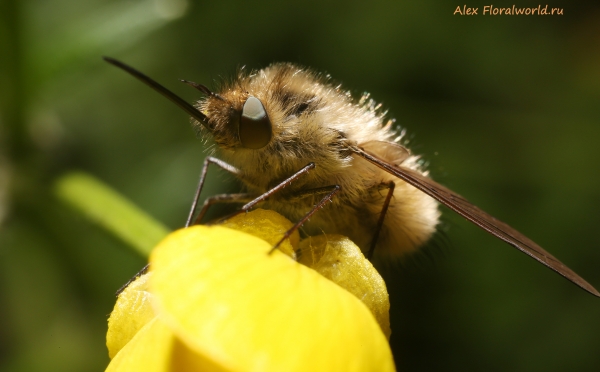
column 514, row 10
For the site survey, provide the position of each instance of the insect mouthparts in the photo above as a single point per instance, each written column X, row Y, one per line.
column 191, row 110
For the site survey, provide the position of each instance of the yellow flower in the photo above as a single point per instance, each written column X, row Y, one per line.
column 214, row 300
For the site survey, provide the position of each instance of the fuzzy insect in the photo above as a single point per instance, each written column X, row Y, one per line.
column 296, row 141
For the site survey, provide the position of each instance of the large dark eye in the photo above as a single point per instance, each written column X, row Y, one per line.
column 255, row 128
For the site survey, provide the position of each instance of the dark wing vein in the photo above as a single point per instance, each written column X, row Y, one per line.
column 480, row 218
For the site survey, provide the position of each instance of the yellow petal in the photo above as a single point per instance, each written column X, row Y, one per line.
column 225, row 298
column 267, row 225
column 132, row 311
column 156, row 349
column 340, row 260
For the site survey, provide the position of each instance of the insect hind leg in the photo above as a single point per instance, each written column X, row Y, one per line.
column 390, row 186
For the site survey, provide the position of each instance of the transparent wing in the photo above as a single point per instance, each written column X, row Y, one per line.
column 480, row 218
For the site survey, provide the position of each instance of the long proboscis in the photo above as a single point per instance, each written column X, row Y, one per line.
column 480, row 218
column 191, row 110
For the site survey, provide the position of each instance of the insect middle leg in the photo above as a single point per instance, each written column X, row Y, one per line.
column 330, row 190
column 250, row 198
column 268, row 193
column 222, row 198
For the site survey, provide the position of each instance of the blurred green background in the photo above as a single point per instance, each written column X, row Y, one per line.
column 506, row 109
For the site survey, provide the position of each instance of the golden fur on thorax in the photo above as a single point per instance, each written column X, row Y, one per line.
column 314, row 121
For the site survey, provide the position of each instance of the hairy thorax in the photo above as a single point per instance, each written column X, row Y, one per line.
column 314, row 121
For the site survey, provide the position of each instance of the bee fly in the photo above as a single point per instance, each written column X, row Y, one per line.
column 298, row 142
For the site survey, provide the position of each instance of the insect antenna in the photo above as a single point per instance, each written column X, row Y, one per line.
column 203, row 89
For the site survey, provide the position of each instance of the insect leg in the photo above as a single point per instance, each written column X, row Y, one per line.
column 143, row 271
column 266, row 195
column 238, row 173
column 480, row 218
column 391, row 186
column 334, row 189
column 310, row 192
column 209, row 160
column 222, row 198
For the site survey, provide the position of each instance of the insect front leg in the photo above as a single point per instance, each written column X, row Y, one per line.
column 223, row 165
column 209, row 160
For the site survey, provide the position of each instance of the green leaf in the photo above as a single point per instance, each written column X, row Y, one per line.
column 111, row 210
